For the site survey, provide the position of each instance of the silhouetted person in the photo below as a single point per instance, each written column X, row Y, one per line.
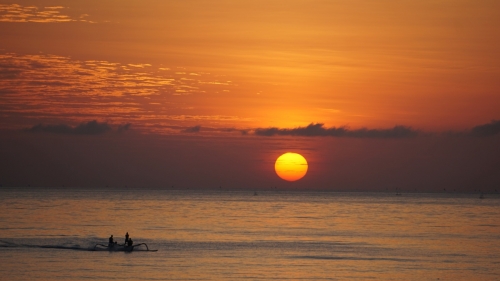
column 130, row 242
column 126, row 238
column 111, row 241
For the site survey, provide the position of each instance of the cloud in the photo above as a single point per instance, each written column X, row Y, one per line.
column 19, row 13
column 395, row 132
column 89, row 128
column 124, row 127
column 486, row 130
column 230, row 130
column 318, row 129
column 208, row 130
column 8, row 73
column 50, row 87
column 195, row 129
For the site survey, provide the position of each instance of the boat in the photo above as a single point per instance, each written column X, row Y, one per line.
column 121, row 247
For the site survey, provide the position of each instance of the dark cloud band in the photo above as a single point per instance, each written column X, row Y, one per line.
column 89, row 128
column 487, row 130
column 318, row 130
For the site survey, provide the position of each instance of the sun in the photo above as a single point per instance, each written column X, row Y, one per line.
column 291, row 166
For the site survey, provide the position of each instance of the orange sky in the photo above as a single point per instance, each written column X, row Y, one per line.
column 382, row 94
column 430, row 65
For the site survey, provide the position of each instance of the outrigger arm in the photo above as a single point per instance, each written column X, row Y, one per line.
column 126, row 248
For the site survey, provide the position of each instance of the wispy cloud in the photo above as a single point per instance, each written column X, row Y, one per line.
column 211, row 130
column 230, row 130
column 49, row 88
column 195, row 129
column 89, row 128
column 318, row 129
column 124, row 127
column 19, row 13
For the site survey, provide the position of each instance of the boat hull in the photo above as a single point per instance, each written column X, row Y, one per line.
column 113, row 248
column 121, row 248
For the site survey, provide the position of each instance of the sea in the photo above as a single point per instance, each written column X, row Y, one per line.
column 52, row 233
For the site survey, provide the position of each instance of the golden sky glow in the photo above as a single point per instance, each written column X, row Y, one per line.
column 377, row 95
column 432, row 65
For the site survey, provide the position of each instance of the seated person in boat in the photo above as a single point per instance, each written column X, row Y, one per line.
column 111, row 241
column 130, row 242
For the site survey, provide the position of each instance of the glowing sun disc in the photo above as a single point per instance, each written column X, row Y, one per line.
column 291, row 166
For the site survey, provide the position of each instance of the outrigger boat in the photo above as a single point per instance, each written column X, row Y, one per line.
column 114, row 247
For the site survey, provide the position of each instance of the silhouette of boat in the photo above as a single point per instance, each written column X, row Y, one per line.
column 121, row 247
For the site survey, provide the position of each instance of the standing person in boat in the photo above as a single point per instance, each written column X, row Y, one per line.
column 111, row 241
column 126, row 238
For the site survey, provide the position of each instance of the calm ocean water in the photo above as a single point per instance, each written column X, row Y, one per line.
column 46, row 234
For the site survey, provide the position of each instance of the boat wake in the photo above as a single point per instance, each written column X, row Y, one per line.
column 7, row 244
column 98, row 247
